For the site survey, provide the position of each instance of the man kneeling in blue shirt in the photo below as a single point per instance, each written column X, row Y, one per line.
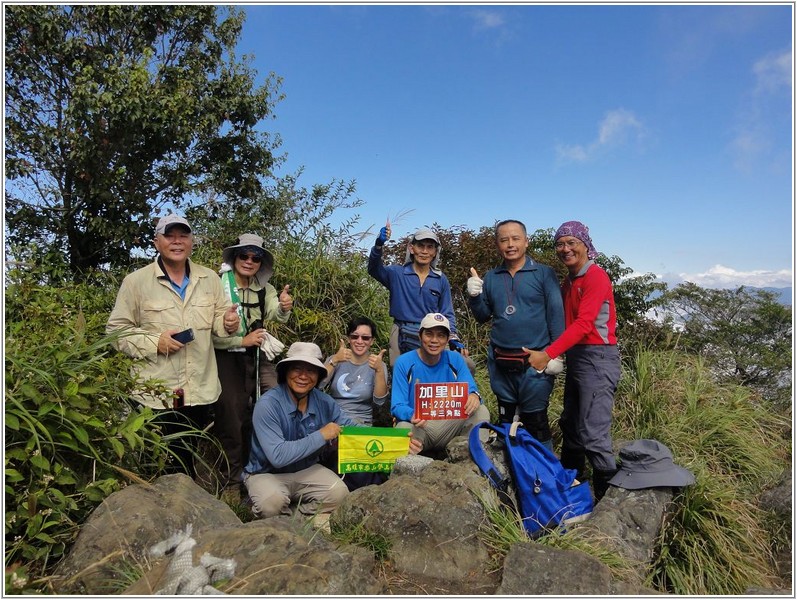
column 291, row 425
column 434, row 363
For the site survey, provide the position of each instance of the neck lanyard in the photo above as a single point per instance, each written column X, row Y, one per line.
column 510, row 294
column 231, row 289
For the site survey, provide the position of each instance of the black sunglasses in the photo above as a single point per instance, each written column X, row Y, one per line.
column 253, row 257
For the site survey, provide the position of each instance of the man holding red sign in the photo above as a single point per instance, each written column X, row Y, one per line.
column 433, row 390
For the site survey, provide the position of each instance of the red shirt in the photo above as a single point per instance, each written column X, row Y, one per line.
column 589, row 311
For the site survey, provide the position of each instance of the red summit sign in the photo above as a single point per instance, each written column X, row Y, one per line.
column 434, row 401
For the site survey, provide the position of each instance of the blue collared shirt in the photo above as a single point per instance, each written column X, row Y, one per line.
column 410, row 369
column 537, row 317
column 283, row 439
column 409, row 300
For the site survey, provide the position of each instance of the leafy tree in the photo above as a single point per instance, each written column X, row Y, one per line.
column 745, row 334
column 117, row 112
column 322, row 263
column 634, row 298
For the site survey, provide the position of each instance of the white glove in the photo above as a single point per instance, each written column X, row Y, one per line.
column 554, row 366
column 271, row 346
column 475, row 284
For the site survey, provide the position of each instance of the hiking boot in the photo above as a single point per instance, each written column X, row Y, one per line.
column 574, row 459
column 600, row 482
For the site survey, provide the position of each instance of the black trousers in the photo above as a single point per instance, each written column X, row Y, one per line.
column 233, row 422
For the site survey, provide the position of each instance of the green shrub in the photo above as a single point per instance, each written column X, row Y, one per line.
column 71, row 437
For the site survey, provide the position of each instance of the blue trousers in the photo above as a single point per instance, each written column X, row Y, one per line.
column 529, row 390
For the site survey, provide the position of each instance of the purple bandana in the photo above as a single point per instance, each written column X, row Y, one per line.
column 577, row 229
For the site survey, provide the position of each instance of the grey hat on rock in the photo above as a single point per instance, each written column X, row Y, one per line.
column 305, row 352
column 649, row 464
column 169, row 221
column 249, row 242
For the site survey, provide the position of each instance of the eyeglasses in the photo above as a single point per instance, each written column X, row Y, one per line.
column 570, row 244
column 253, row 257
column 357, row 336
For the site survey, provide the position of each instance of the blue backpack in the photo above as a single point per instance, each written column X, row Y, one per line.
column 545, row 491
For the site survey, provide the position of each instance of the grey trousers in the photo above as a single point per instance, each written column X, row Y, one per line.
column 315, row 489
column 592, row 375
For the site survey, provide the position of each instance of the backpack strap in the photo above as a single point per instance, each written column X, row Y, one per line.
column 450, row 366
column 481, row 459
column 513, row 429
column 261, row 300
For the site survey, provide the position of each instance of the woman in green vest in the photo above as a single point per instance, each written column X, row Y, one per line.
column 244, row 361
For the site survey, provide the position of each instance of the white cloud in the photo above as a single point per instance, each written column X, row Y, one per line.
column 616, row 125
column 487, row 19
column 773, row 72
column 762, row 112
column 616, row 128
column 722, row 277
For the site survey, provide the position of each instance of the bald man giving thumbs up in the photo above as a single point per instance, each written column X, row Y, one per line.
column 521, row 299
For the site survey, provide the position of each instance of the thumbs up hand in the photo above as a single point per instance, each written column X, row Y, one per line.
column 232, row 321
column 342, row 355
column 376, row 359
column 475, row 283
column 285, row 299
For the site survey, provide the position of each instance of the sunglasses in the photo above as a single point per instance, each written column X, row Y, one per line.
column 253, row 257
column 357, row 336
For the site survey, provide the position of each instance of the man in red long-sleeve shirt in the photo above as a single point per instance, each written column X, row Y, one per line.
column 593, row 360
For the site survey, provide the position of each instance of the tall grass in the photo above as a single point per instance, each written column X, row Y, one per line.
column 71, row 437
column 716, row 541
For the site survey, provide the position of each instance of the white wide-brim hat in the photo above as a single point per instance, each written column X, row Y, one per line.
column 305, row 352
column 266, row 269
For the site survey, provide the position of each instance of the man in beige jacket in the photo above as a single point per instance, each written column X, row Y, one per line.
column 167, row 298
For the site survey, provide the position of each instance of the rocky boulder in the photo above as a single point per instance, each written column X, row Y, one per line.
column 421, row 532
column 131, row 520
column 431, row 523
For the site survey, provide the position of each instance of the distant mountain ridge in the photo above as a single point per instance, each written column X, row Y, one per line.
column 784, row 295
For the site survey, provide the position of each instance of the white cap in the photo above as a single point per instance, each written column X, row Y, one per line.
column 435, row 320
column 165, row 223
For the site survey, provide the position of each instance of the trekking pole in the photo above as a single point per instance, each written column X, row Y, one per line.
column 257, row 374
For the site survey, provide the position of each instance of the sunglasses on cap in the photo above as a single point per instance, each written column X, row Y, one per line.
column 255, row 258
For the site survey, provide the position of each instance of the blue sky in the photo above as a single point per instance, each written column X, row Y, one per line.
column 668, row 130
